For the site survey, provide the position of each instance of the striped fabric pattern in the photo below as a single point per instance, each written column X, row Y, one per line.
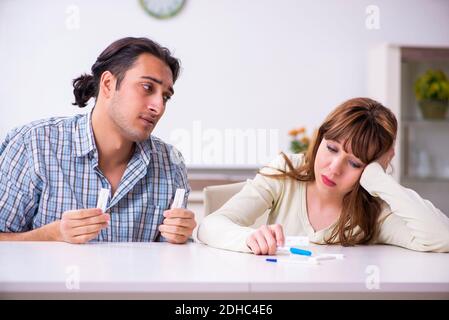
column 51, row 166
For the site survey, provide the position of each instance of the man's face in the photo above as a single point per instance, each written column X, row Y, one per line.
column 140, row 101
column 336, row 172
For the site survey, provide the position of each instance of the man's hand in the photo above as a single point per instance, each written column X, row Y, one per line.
column 385, row 159
column 81, row 226
column 266, row 239
column 178, row 225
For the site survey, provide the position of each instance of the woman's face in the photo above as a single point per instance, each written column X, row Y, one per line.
column 336, row 171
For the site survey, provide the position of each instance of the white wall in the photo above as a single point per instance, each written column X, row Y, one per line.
column 260, row 64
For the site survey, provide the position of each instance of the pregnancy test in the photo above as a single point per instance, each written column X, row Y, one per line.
column 327, row 256
column 103, row 199
column 300, row 252
column 179, row 199
column 293, row 261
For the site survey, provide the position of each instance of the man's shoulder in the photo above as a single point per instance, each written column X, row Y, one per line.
column 280, row 162
column 40, row 130
column 42, row 125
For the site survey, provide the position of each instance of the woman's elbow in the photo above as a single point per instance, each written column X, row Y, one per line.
column 201, row 232
column 437, row 244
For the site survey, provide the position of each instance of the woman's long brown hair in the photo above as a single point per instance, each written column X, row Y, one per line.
column 370, row 129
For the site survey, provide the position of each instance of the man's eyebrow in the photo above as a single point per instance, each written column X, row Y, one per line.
column 159, row 82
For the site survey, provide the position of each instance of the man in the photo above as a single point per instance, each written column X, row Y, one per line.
column 51, row 171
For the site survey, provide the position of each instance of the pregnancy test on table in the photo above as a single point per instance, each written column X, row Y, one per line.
column 325, row 256
column 300, row 252
column 179, row 199
column 103, row 199
column 306, row 259
column 328, row 256
column 293, row 261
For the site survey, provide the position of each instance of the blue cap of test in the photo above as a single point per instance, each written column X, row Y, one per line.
column 301, row 252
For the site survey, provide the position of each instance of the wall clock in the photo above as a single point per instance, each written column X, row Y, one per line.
column 162, row 9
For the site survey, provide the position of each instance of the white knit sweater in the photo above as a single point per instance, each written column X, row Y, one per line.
column 406, row 220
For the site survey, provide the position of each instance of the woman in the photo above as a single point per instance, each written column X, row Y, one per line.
column 338, row 193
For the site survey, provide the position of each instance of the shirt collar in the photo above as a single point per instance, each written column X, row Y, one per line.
column 84, row 142
column 146, row 148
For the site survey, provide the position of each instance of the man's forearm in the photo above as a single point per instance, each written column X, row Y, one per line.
column 48, row 232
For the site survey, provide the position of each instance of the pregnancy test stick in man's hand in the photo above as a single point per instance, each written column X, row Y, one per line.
column 103, row 199
column 179, row 198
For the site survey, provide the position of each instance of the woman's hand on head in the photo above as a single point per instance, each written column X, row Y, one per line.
column 386, row 158
column 266, row 239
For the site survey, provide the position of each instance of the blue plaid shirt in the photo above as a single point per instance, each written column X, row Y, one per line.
column 50, row 166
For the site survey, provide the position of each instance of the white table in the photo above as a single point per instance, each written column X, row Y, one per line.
column 195, row 271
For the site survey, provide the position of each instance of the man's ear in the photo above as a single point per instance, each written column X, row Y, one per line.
column 107, row 84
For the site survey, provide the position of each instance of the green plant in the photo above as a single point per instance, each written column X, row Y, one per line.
column 300, row 141
column 432, row 85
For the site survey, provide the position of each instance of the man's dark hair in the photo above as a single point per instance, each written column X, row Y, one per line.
column 117, row 59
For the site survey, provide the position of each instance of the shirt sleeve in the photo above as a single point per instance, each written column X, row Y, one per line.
column 407, row 220
column 9, row 136
column 229, row 227
column 19, row 195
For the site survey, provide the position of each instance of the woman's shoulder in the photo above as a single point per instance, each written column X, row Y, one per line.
column 283, row 162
